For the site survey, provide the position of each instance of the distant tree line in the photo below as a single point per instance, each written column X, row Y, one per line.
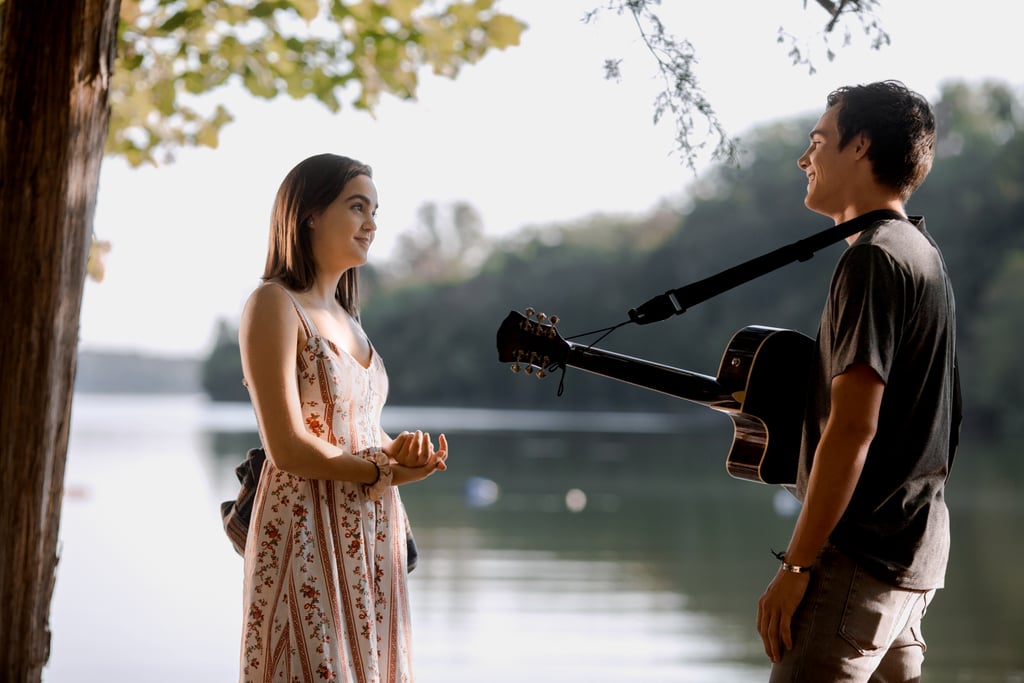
column 437, row 335
column 115, row 372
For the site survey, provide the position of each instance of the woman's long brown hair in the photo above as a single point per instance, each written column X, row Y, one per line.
column 307, row 190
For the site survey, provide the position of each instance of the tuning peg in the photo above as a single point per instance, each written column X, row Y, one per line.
column 516, row 367
column 554, row 320
column 541, row 374
column 541, row 317
column 529, row 312
column 529, row 369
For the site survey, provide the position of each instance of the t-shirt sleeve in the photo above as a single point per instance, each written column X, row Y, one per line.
column 867, row 303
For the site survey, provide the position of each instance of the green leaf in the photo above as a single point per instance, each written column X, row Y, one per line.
column 504, row 31
column 180, row 19
column 193, row 82
column 262, row 10
column 402, row 10
column 307, row 9
column 208, row 135
column 164, row 96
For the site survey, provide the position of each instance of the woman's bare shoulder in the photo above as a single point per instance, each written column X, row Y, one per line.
column 269, row 304
column 270, row 294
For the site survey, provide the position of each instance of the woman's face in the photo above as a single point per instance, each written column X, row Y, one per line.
column 343, row 232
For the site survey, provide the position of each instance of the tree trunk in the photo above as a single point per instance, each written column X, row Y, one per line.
column 56, row 57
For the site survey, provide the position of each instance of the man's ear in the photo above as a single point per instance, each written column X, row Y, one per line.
column 861, row 143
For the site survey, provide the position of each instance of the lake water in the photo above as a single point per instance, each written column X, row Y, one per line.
column 562, row 548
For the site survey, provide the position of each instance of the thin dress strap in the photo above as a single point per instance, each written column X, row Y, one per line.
column 307, row 323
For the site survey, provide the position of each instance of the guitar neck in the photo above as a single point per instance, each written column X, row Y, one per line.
column 690, row 386
column 761, row 385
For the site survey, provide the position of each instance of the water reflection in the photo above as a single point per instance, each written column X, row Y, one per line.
column 654, row 578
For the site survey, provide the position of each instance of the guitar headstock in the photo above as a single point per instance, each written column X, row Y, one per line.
column 531, row 342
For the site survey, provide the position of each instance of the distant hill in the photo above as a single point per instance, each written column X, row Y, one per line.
column 118, row 372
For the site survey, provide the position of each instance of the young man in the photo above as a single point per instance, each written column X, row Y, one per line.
column 869, row 547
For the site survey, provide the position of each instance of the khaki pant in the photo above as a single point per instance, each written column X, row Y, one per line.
column 853, row 628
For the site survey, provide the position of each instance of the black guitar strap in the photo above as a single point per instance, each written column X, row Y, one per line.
column 677, row 301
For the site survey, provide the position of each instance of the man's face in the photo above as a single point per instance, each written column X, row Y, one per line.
column 828, row 169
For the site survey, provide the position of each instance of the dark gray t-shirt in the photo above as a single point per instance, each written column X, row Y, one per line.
column 890, row 306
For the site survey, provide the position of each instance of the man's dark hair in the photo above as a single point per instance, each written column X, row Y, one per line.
column 900, row 124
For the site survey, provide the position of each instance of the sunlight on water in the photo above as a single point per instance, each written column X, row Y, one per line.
column 532, row 616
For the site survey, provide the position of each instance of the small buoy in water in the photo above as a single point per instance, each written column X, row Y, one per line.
column 481, row 492
column 785, row 504
column 575, row 500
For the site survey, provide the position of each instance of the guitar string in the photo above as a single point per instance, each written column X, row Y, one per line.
column 605, row 330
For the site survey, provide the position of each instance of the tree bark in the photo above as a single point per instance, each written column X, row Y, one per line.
column 56, row 57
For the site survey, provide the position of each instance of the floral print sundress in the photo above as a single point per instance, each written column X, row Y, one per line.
column 325, row 567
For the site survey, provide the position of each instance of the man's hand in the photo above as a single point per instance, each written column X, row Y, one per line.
column 775, row 611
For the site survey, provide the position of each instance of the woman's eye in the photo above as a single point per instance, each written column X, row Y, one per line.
column 359, row 207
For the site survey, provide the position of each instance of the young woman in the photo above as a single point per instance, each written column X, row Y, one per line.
column 325, row 558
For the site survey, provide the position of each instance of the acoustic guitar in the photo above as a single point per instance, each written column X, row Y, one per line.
column 761, row 385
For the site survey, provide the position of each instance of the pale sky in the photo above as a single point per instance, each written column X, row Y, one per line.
column 528, row 136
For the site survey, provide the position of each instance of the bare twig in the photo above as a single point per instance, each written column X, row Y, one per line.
column 675, row 59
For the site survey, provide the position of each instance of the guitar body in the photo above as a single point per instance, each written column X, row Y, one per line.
column 766, row 371
column 761, row 385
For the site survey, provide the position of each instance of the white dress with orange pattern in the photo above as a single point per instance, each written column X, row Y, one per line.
column 325, row 566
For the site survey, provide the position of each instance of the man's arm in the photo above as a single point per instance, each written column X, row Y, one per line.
column 838, row 462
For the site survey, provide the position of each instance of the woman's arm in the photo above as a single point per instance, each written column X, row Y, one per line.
column 268, row 336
